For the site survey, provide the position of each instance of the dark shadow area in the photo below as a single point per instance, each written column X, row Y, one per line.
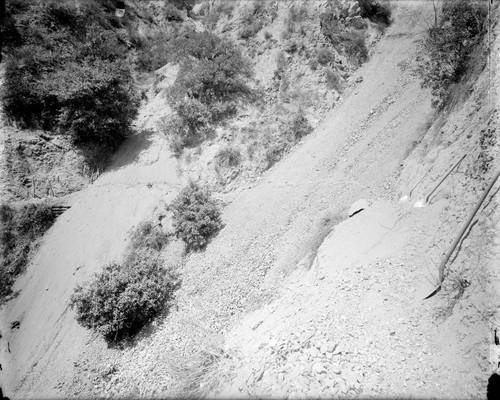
column 21, row 227
column 97, row 157
column 493, row 388
column 131, row 150
column 357, row 212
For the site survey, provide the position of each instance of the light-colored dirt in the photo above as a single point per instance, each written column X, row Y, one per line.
column 290, row 85
column 356, row 152
column 356, row 324
column 93, row 232
column 360, row 294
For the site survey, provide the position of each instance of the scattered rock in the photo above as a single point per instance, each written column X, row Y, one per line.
column 330, row 347
column 318, row 368
column 335, row 368
column 257, row 325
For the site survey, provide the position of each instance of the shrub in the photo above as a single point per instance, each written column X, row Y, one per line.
column 121, row 299
column 333, row 80
column 222, row 7
column 194, row 115
column 354, row 44
column 290, row 133
column 148, row 237
column 21, row 227
column 179, row 134
column 281, row 64
column 210, row 82
column 228, row 157
column 196, row 216
column 154, row 52
column 172, row 13
column 300, row 126
column 11, row 37
column 66, row 70
column 251, row 30
column 183, row 4
column 324, row 56
column 313, row 64
column 97, row 101
column 445, row 52
column 351, row 41
column 33, row 220
column 21, row 101
column 359, row 23
column 291, row 46
column 251, row 19
column 211, row 19
column 217, row 71
column 375, row 11
column 330, row 27
column 274, row 154
column 297, row 13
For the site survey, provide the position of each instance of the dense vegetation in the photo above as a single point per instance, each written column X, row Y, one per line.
column 122, row 298
column 20, row 228
column 347, row 39
column 445, row 52
column 348, row 34
column 196, row 216
column 67, row 70
column 375, row 11
column 210, row 83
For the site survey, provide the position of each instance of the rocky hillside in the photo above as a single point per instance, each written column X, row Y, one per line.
column 291, row 297
column 302, row 55
column 298, row 57
column 356, row 323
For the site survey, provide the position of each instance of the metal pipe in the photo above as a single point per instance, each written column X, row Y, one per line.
column 406, row 197
column 420, row 181
column 461, row 234
column 443, row 178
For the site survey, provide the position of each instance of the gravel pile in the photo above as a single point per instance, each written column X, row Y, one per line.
column 351, row 337
column 307, row 363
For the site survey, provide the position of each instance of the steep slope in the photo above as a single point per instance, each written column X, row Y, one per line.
column 356, row 152
column 356, row 323
column 301, row 64
column 41, row 353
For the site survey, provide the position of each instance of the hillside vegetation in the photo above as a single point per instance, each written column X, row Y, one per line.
column 446, row 51
column 67, row 70
column 253, row 79
column 72, row 69
column 21, row 228
column 159, row 283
